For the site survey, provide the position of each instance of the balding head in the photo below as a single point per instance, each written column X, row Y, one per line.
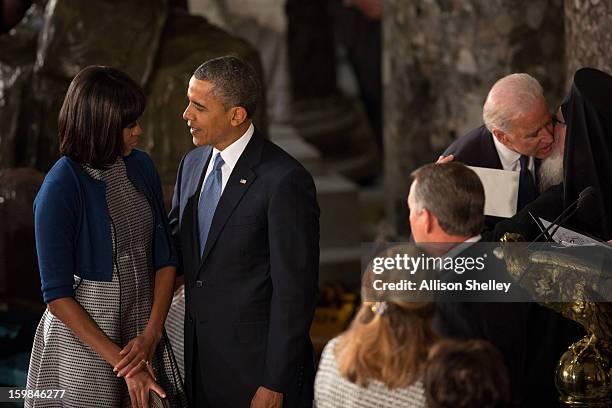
column 516, row 113
column 509, row 99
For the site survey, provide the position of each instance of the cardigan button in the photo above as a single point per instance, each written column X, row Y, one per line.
column 199, row 283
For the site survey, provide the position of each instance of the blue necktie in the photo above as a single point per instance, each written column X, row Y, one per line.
column 211, row 192
column 527, row 188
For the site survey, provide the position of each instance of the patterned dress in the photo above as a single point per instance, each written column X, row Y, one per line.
column 175, row 327
column 334, row 391
column 120, row 308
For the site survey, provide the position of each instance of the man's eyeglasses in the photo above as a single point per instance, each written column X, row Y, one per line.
column 556, row 121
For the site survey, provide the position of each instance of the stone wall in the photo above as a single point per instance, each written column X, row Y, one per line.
column 588, row 35
column 440, row 57
column 264, row 25
column 56, row 39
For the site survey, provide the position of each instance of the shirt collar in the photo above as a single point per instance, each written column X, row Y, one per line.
column 457, row 249
column 508, row 157
column 475, row 238
column 232, row 153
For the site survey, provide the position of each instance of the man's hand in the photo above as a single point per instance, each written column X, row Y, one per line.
column 265, row 398
column 445, row 159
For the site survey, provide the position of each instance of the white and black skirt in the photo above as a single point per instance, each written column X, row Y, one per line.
column 121, row 309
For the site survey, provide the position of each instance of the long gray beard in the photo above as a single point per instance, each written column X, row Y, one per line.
column 551, row 170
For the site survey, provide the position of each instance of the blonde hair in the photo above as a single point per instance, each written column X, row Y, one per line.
column 390, row 347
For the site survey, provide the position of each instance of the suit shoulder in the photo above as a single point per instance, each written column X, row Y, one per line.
column 279, row 161
column 470, row 140
column 475, row 148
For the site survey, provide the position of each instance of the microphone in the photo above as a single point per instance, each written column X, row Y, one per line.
column 584, row 202
column 544, row 231
column 585, row 198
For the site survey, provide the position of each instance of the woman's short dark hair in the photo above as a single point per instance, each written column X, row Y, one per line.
column 100, row 103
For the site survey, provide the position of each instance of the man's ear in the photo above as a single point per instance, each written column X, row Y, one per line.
column 239, row 115
column 428, row 220
column 500, row 136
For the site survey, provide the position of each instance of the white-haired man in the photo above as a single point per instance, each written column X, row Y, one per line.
column 517, row 131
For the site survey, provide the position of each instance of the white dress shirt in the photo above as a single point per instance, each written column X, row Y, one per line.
column 510, row 159
column 475, row 238
column 230, row 156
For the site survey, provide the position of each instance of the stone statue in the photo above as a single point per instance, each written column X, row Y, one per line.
column 579, row 288
column 157, row 44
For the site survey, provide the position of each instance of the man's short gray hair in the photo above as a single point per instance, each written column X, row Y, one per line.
column 454, row 194
column 234, row 82
column 509, row 98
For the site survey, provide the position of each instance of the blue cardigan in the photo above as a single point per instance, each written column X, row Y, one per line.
column 72, row 224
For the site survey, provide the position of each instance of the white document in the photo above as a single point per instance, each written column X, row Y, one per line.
column 501, row 191
column 568, row 237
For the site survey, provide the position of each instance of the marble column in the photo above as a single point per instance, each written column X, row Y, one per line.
column 588, row 38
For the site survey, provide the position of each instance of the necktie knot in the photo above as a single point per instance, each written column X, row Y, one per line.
column 218, row 162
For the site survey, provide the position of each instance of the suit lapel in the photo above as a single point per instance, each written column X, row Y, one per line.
column 240, row 181
column 192, row 184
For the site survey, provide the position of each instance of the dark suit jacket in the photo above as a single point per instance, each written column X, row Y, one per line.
column 476, row 148
column 250, row 298
column 503, row 324
column 530, row 337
